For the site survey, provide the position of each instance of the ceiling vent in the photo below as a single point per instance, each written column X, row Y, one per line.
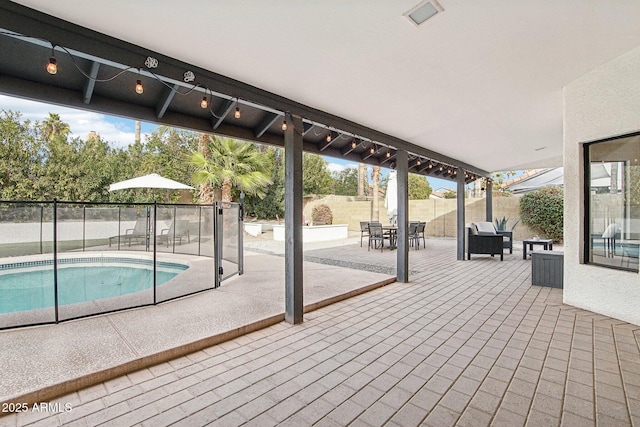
column 423, row 11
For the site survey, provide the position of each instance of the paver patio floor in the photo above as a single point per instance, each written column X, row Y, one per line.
column 464, row 343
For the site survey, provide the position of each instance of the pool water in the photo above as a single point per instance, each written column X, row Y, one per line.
column 28, row 289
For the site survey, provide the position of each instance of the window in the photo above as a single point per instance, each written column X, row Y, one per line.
column 613, row 202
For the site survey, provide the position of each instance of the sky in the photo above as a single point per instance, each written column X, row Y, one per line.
column 120, row 132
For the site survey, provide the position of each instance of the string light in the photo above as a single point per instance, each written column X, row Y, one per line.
column 284, row 125
column 139, row 88
column 52, row 66
column 204, row 103
column 419, row 162
column 237, row 114
column 329, row 137
column 353, row 144
column 372, row 150
column 388, row 154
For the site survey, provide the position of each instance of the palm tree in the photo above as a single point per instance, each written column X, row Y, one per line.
column 231, row 164
column 53, row 127
column 375, row 177
column 205, row 189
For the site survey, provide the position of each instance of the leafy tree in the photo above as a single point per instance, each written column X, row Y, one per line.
column 232, row 163
column 450, row 194
column 316, row 178
column 271, row 206
column 345, row 182
column 419, row 187
column 21, row 151
column 542, row 211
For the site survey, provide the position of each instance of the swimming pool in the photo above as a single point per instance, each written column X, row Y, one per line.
column 30, row 285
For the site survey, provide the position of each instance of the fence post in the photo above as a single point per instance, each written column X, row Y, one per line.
column 155, row 227
column 199, row 228
column 41, row 225
column 241, row 235
column 84, row 227
column 217, row 244
column 55, row 257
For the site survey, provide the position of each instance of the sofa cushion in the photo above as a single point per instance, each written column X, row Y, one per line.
column 485, row 229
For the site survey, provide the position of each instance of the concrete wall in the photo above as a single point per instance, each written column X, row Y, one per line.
column 601, row 104
column 439, row 214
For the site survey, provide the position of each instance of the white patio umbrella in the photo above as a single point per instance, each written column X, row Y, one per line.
column 152, row 180
column 391, row 198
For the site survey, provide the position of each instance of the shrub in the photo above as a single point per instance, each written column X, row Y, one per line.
column 321, row 214
column 542, row 212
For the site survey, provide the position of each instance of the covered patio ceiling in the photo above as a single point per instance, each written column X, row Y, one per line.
column 477, row 86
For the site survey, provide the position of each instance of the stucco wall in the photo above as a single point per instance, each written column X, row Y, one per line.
column 601, row 104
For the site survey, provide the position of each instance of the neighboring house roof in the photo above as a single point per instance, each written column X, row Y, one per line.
column 535, row 179
column 440, row 193
column 554, row 177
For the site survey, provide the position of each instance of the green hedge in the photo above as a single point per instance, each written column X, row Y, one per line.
column 542, row 211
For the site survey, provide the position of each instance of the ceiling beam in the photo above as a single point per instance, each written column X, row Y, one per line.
column 167, row 97
column 307, row 127
column 221, row 112
column 90, row 84
column 265, row 124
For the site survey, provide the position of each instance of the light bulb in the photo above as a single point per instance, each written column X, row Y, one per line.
column 388, row 154
column 353, row 144
column 419, row 162
column 52, row 66
column 430, row 165
column 284, row 125
column 204, row 103
column 372, row 150
column 329, row 138
column 441, row 168
column 237, row 113
column 139, row 88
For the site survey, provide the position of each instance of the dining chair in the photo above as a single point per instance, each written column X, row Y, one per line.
column 364, row 230
column 376, row 236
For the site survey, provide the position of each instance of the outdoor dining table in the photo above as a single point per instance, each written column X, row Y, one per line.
column 392, row 232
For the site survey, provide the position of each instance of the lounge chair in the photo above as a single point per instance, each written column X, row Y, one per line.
column 178, row 230
column 138, row 232
column 483, row 238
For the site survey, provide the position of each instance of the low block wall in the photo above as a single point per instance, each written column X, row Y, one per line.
column 316, row 233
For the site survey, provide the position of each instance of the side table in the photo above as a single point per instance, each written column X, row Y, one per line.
column 546, row 243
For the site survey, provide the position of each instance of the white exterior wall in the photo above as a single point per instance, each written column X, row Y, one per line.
column 601, row 104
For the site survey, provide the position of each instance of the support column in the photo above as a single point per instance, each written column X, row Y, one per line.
column 402, row 170
column 460, row 216
column 489, row 200
column 293, row 220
